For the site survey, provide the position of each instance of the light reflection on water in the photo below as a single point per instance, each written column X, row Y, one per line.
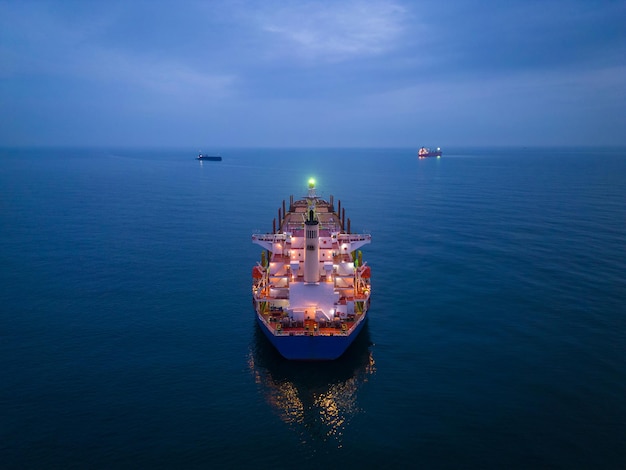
column 317, row 400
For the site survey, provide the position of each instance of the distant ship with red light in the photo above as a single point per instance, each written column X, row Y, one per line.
column 426, row 152
column 311, row 290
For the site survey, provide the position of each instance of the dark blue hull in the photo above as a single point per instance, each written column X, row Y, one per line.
column 311, row 348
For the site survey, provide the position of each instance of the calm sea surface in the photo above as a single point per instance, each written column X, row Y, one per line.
column 497, row 334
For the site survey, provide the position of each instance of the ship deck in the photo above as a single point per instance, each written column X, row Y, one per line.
column 279, row 324
column 338, row 302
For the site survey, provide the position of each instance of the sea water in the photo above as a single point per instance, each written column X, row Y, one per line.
column 497, row 330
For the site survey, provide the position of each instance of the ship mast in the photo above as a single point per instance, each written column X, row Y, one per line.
column 311, row 252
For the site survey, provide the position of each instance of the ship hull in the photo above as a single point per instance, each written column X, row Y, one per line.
column 311, row 348
column 430, row 154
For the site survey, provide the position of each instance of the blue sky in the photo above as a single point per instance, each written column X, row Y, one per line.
column 283, row 73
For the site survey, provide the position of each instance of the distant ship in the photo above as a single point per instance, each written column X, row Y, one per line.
column 426, row 152
column 311, row 290
column 215, row 158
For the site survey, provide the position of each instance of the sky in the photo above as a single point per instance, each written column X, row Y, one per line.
column 283, row 73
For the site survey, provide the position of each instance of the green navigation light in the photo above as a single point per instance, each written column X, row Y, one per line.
column 311, row 183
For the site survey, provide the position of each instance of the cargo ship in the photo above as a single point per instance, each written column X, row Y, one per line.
column 214, row 158
column 426, row 152
column 311, row 289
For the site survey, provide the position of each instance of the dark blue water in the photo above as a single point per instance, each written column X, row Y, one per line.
column 497, row 336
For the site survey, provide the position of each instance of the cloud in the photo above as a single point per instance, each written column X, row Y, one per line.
column 334, row 31
column 46, row 44
column 160, row 75
column 577, row 107
column 360, row 71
